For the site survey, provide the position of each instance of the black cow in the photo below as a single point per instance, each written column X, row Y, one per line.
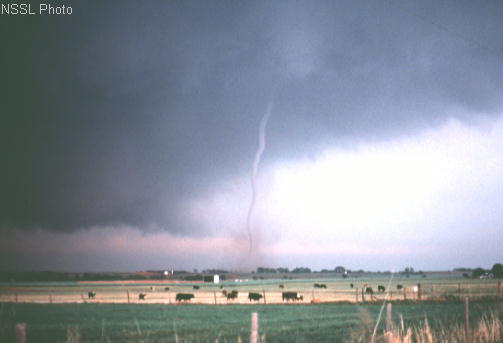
column 195, row 287
column 166, row 288
column 381, row 288
column 369, row 290
column 254, row 296
column 232, row 295
column 399, row 287
column 184, row 296
column 281, row 286
column 91, row 295
column 291, row 296
column 351, row 285
column 142, row 296
column 320, row 285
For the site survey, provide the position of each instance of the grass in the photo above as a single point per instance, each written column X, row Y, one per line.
column 206, row 323
column 337, row 290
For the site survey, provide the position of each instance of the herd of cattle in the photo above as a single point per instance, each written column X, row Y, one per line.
column 253, row 296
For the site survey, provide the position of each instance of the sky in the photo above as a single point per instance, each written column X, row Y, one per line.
column 129, row 130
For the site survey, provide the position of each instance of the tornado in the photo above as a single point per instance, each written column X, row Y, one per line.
column 256, row 163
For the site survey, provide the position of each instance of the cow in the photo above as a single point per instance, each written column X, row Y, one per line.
column 281, row 286
column 91, row 295
column 381, row 288
column 369, row 290
column 254, row 296
column 184, row 296
column 399, row 287
column 142, row 296
column 195, row 287
column 166, row 288
column 221, row 286
column 351, row 285
column 224, row 292
column 232, row 295
column 320, row 285
column 291, row 296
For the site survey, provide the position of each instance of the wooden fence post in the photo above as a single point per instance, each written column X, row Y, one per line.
column 127, row 291
column 215, row 297
column 459, row 289
column 254, row 328
column 16, row 297
column 499, row 288
column 467, row 318
column 357, row 295
column 50, row 298
column 263, row 291
column 21, row 333
column 404, row 294
column 363, row 295
column 388, row 317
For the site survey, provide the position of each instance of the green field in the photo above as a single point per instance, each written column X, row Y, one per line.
column 224, row 323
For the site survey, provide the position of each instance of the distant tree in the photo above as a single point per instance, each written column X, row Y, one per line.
column 497, row 270
column 266, row 270
column 478, row 272
column 339, row 269
column 282, row 270
column 301, row 270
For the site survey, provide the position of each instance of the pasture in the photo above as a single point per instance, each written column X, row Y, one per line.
column 334, row 290
column 63, row 311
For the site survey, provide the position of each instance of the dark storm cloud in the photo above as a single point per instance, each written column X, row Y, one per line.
column 123, row 111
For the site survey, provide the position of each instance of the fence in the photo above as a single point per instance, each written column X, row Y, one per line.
column 203, row 296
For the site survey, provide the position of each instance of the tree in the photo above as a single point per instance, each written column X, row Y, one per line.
column 340, row 269
column 478, row 272
column 497, row 270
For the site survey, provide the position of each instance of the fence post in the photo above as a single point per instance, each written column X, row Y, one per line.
column 459, row 289
column 388, row 317
column 433, row 291
column 215, row 297
column 16, row 298
column 263, row 291
column 404, row 294
column 499, row 288
column 127, row 291
column 21, row 333
column 357, row 295
column 363, row 295
column 50, row 298
column 467, row 318
column 254, row 328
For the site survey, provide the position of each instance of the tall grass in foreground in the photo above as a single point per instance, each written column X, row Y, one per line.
column 487, row 330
